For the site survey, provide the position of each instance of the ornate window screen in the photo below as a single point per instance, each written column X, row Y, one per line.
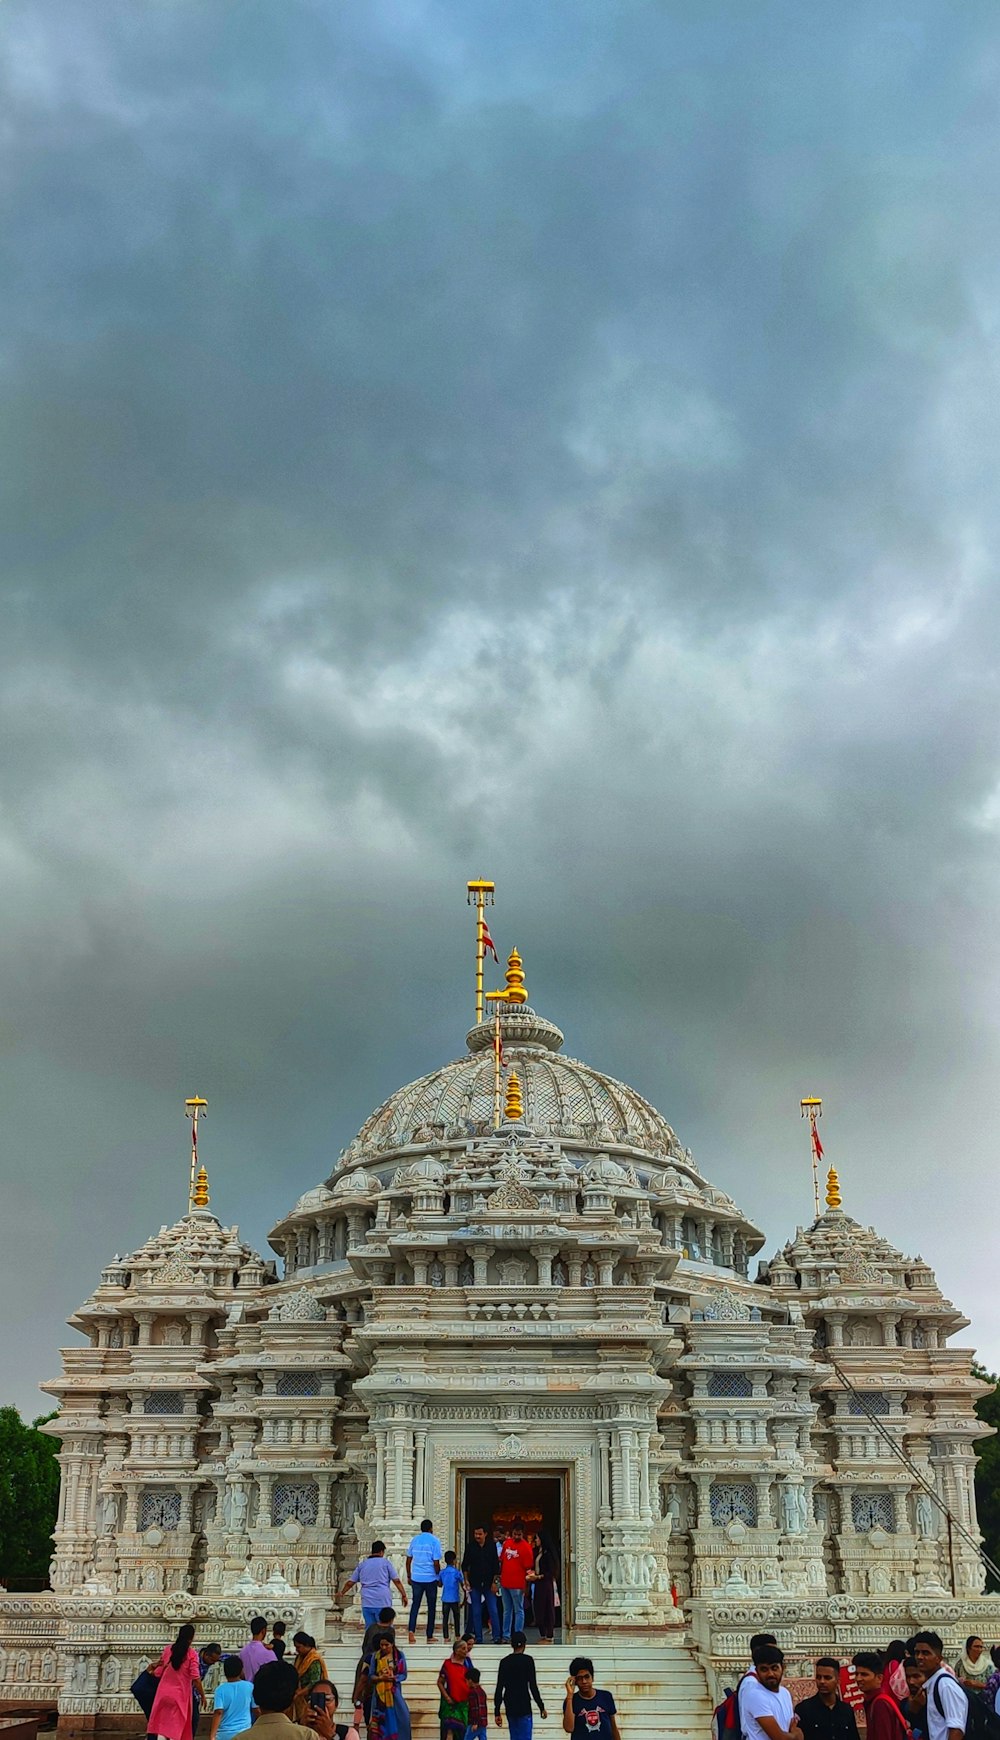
column 870, row 1403
column 723, row 1384
column 298, row 1383
column 729, row 1500
column 873, row 1509
column 295, row 1501
column 159, row 1510
column 164, row 1402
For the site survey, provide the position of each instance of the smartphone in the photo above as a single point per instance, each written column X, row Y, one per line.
column 317, row 1700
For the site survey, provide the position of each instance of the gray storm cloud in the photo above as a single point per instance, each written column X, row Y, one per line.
column 555, row 443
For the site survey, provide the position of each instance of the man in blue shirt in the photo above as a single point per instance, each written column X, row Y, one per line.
column 423, row 1566
column 375, row 1575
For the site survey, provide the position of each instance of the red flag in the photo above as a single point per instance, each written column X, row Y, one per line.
column 817, row 1144
column 489, row 948
column 850, row 1691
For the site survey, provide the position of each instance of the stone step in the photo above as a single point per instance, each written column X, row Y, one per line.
column 659, row 1688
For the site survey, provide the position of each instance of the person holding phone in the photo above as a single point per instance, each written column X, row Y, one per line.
column 323, row 1701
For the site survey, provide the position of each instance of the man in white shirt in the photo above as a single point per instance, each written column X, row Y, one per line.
column 423, row 1563
column 765, row 1705
column 947, row 1703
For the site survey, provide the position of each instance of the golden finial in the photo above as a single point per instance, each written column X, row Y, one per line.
column 513, row 1109
column 832, row 1189
column 516, row 992
column 199, row 1198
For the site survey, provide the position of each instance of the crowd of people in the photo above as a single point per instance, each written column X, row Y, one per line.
column 507, row 1575
column 257, row 1689
column 253, row 1686
column 906, row 1692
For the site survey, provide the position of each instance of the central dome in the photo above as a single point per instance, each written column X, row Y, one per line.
column 561, row 1097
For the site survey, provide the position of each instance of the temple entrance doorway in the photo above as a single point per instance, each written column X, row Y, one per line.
column 537, row 1501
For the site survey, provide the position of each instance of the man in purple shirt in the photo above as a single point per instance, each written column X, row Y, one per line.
column 374, row 1575
column 256, row 1654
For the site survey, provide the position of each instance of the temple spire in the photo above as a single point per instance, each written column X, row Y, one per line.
column 832, row 1189
column 194, row 1109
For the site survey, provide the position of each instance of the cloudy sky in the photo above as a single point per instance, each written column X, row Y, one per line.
column 552, row 442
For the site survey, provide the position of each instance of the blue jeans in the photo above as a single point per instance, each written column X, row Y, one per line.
column 476, row 1734
column 370, row 1615
column 519, row 1727
column 513, row 1614
column 476, row 1599
column 424, row 1592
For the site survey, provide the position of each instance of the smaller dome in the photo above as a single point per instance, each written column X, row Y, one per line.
column 424, row 1171
column 604, row 1171
column 355, row 1186
column 319, row 1197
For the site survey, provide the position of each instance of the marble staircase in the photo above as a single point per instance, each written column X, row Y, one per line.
column 659, row 1688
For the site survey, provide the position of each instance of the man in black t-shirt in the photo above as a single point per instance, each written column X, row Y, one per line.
column 516, row 1686
column 827, row 1716
column 588, row 1714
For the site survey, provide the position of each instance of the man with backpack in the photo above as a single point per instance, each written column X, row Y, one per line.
column 765, row 1705
column 884, row 1720
column 951, row 1713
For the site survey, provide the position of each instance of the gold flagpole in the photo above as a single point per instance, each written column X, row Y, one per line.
column 496, row 1071
column 813, row 1109
column 194, row 1109
column 480, row 895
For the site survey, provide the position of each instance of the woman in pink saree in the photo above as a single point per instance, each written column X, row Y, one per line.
column 178, row 1673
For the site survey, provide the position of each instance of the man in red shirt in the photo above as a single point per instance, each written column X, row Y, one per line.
column 517, row 1561
column 884, row 1719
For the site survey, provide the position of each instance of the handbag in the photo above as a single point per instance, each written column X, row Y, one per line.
column 143, row 1690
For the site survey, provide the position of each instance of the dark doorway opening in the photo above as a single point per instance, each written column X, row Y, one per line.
column 536, row 1501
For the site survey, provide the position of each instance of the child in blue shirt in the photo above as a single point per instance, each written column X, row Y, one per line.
column 232, row 1702
column 452, row 1585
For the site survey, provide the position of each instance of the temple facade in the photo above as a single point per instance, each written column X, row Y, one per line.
column 515, row 1296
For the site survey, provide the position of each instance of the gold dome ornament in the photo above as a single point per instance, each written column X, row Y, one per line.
column 199, row 1197
column 513, row 1110
column 833, row 1189
column 515, row 991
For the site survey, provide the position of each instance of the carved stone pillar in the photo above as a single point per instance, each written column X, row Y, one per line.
column 765, row 1515
column 419, row 1500
column 379, row 1506
column 645, row 1502
column 603, row 1474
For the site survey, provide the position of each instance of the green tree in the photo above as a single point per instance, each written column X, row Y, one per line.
column 988, row 1469
column 29, row 1499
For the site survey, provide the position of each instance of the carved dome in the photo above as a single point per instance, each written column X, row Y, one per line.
column 560, row 1095
column 354, row 1187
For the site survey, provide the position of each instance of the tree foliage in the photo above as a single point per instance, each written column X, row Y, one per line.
column 29, row 1499
column 988, row 1469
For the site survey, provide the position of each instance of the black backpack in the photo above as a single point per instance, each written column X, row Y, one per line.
column 981, row 1723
